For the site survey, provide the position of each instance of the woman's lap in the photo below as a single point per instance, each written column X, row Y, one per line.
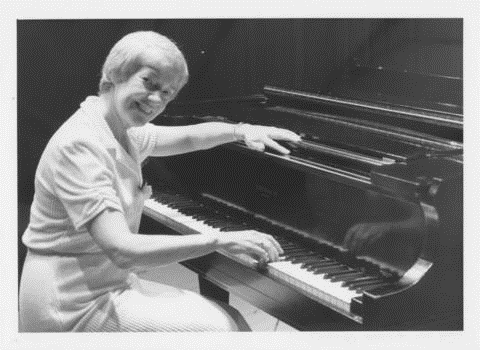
column 145, row 306
column 152, row 307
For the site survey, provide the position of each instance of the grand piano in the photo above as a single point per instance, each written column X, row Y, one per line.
column 368, row 207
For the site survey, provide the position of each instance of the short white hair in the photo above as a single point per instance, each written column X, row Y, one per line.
column 139, row 49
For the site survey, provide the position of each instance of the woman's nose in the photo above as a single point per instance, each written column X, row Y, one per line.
column 155, row 98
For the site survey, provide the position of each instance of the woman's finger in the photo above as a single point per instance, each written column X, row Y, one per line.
column 256, row 145
column 275, row 243
column 283, row 134
column 255, row 251
column 272, row 144
column 271, row 250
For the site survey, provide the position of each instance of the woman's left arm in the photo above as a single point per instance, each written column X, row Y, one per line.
column 171, row 140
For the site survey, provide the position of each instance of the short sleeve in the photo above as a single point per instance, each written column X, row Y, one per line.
column 83, row 181
column 145, row 139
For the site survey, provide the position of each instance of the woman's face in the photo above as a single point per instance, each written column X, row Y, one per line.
column 144, row 95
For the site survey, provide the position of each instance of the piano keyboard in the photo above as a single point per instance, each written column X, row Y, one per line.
column 322, row 278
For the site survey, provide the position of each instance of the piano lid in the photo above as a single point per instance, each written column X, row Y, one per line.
column 406, row 74
column 412, row 63
column 433, row 93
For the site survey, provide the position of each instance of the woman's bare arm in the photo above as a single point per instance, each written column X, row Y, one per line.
column 135, row 251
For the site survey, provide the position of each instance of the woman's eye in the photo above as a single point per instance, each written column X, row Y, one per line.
column 148, row 83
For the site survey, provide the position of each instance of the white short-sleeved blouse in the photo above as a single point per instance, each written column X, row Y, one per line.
column 82, row 171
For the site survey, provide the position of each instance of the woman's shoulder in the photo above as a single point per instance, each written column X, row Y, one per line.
column 83, row 127
column 75, row 136
column 74, row 131
column 69, row 145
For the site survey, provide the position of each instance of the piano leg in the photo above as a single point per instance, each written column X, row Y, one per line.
column 212, row 291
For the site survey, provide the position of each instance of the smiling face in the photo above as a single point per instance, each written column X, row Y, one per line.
column 144, row 95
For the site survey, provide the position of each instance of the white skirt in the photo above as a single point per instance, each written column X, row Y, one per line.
column 140, row 306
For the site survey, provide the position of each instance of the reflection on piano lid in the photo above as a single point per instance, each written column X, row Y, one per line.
column 368, row 208
column 401, row 88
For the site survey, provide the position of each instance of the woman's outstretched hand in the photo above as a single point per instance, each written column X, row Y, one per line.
column 257, row 137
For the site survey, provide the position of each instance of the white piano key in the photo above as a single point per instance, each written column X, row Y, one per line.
column 320, row 287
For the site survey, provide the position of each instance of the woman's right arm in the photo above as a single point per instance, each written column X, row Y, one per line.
column 135, row 251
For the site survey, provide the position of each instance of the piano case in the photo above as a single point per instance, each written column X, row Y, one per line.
column 374, row 191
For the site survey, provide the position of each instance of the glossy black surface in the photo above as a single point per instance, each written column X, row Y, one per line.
column 374, row 204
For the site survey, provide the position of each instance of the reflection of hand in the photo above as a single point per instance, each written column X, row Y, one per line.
column 260, row 246
column 360, row 236
column 258, row 136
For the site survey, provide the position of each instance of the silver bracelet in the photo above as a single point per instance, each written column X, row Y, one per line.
column 235, row 133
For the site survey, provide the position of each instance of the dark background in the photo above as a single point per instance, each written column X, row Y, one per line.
column 59, row 63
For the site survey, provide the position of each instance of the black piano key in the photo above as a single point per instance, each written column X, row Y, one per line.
column 178, row 205
column 290, row 245
column 219, row 223
column 211, row 217
column 365, row 282
column 307, row 257
column 166, row 199
column 286, row 246
column 234, row 228
column 192, row 206
column 181, row 201
column 371, row 286
column 313, row 266
column 212, row 220
column 318, row 261
column 348, row 276
column 216, row 221
column 227, row 223
column 248, row 227
column 347, row 272
column 201, row 216
column 314, row 259
column 292, row 248
column 169, row 201
column 159, row 199
column 294, row 251
column 238, row 226
column 290, row 256
column 184, row 207
column 329, row 268
column 194, row 211
column 359, row 286
column 358, row 281
column 294, row 255
column 281, row 238
column 283, row 242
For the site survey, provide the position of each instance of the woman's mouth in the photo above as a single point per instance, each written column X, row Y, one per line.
column 146, row 109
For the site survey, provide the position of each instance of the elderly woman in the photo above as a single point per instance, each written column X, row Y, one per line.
column 83, row 253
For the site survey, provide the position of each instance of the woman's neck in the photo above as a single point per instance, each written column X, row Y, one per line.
column 115, row 122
